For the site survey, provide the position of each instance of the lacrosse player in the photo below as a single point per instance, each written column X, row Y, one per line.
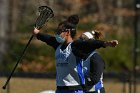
column 69, row 78
column 93, row 65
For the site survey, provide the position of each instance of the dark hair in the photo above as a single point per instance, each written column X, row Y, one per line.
column 72, row 20
column 71, row 24
column 98, row 34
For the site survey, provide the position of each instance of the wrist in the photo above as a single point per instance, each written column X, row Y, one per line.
column 107, row 43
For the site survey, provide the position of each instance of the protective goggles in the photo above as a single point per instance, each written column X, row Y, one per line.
column 59, row 31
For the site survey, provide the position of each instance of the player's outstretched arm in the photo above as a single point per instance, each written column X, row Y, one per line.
column 112, row 43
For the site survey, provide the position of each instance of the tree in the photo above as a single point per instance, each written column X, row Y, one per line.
column 102, row 16
column 8, row 25
column 4, row 28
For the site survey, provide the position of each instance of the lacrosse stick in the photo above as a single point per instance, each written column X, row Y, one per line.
column 45, row 13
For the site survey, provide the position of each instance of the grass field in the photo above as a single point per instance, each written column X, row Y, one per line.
column 33, row 85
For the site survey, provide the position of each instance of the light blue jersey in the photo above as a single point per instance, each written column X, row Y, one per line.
column 68, row 67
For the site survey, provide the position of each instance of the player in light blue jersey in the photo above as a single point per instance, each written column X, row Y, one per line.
column 69, row 77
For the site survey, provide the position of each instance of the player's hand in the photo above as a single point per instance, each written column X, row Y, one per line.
column 36, row 31
column 112, row 43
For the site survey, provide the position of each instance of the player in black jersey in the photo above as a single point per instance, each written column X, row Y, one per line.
column 93, row 65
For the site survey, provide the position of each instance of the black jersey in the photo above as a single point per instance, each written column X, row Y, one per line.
column 79, row 47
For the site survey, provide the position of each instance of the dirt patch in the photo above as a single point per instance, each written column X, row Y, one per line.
column 33, row 85
column 28, row 85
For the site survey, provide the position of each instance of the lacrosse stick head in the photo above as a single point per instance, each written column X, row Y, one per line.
column 45, row 13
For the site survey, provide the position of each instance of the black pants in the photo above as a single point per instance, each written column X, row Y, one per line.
column 102, row 90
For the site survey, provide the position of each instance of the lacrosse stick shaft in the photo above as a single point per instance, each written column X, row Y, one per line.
column 20, row 58
column 45, row 14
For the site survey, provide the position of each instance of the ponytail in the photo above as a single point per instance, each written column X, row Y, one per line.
column 98, row 34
